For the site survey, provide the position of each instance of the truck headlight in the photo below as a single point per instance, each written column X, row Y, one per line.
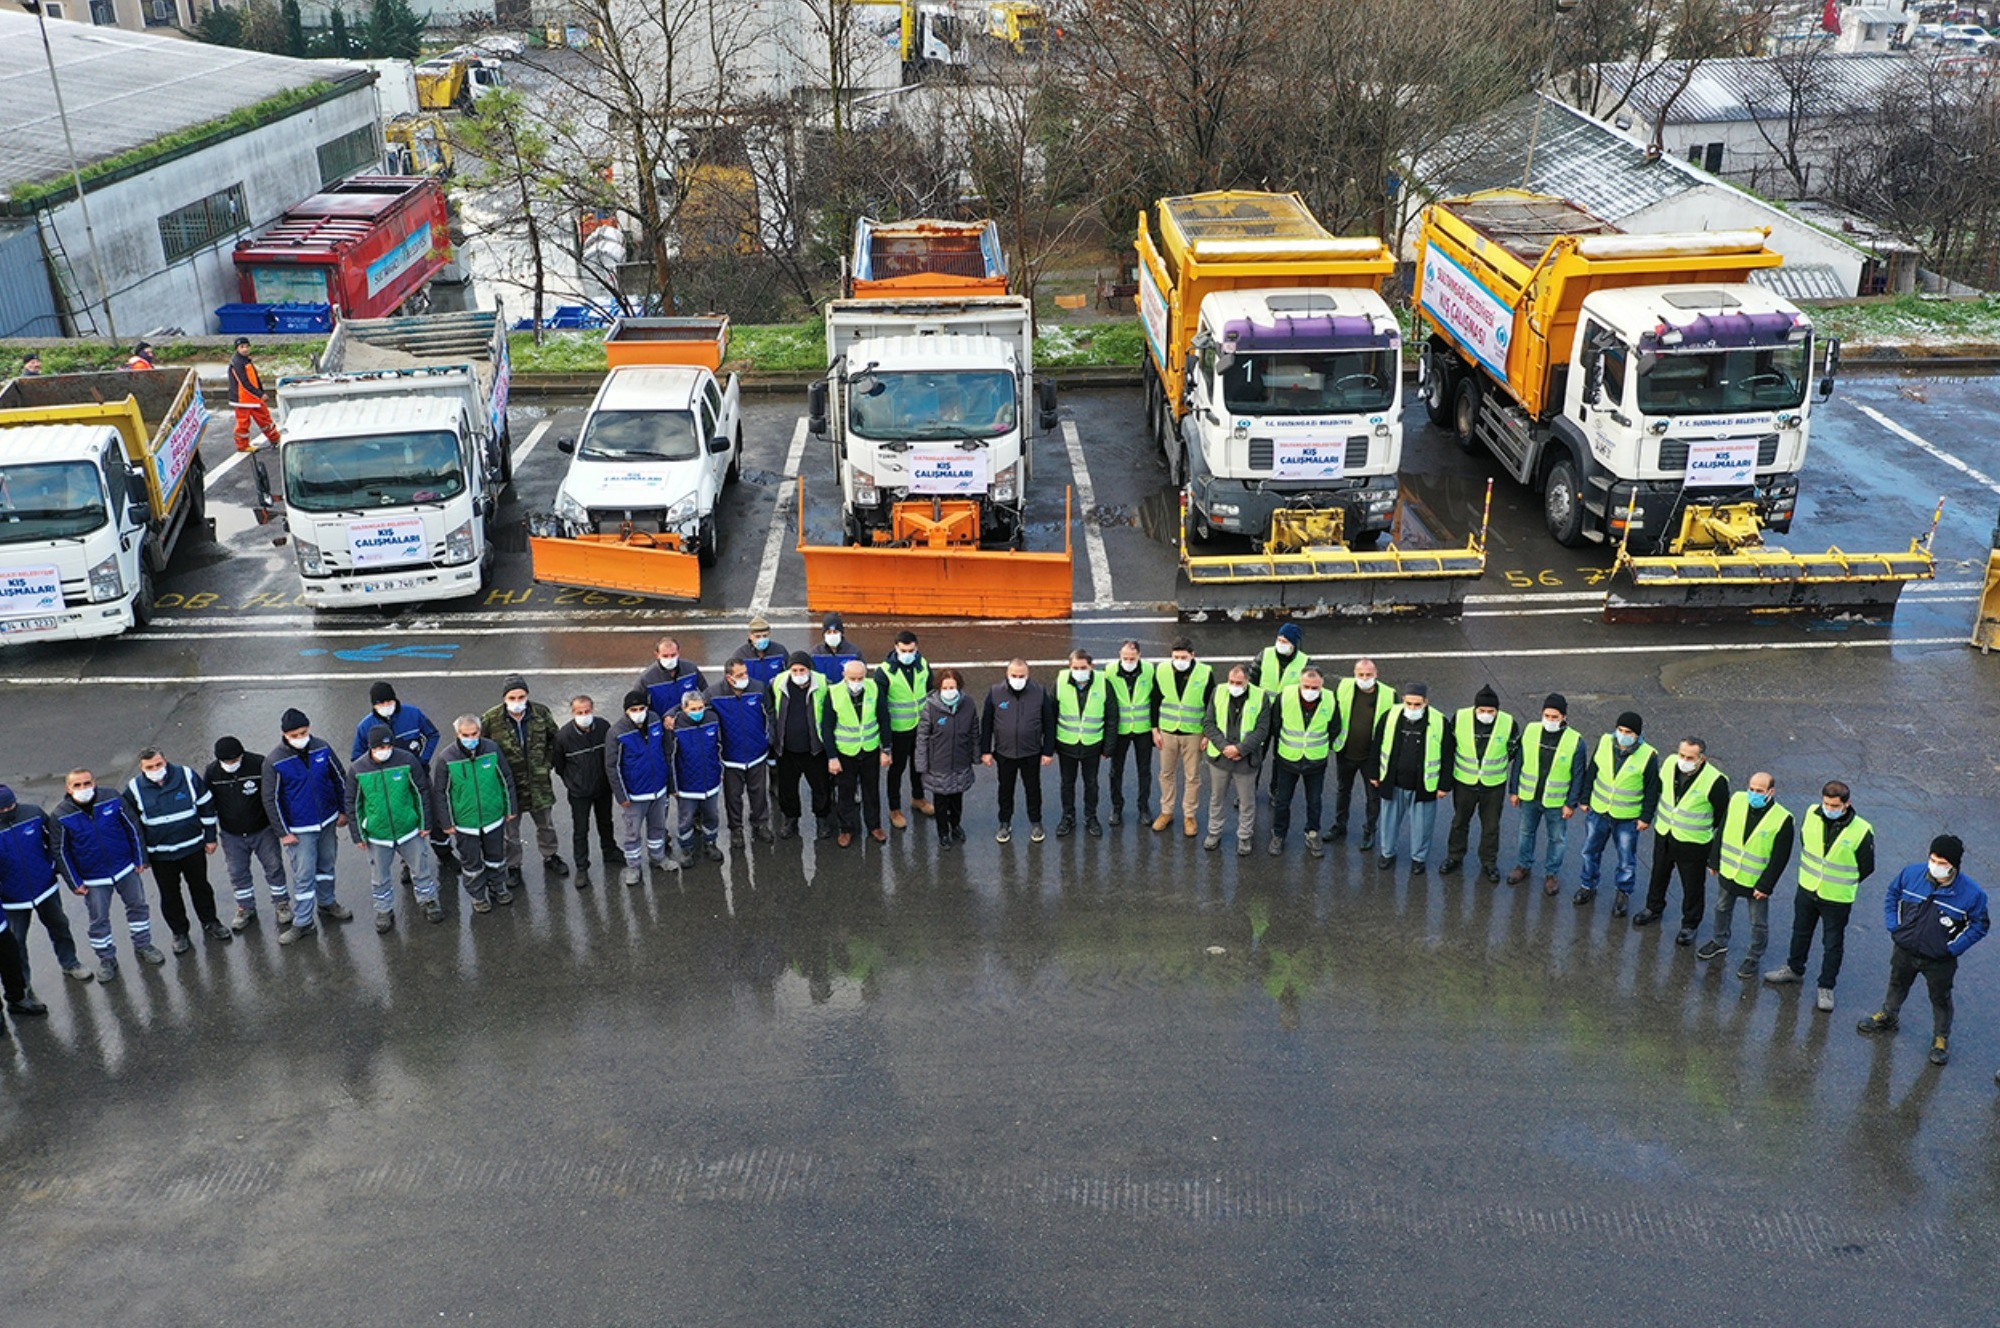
column 1007, row 485
column 105, row 581
column 1225, row 509
column 1381, row 431
column 1379, row 500
column 311, row 562
column 569, row 509
column 458, row 545
column 866, row 493
column 681, row 511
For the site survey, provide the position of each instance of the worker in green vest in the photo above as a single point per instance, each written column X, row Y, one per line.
column 1624, row 780
column 1549, row 786
column 1083, row 707
column 1181, row 687
column 473, row 799
column 1282, row 663
column 1363, row 700
column 1233, row 740
column 1748, row 859
column 1414, row 767
column 854, row 723
column 1304, row 734
column 1836, row 854
column 906, row 678
column 1132, row 717
column 1694, row 797
column 1486, row 746
column 387, row 801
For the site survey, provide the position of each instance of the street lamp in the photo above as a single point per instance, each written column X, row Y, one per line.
column 76, row 172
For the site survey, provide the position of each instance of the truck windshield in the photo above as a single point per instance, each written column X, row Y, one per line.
column 373, row 471
column 639, row 435
column 50, row 500
column 1702, row 382
column 968, row 403
column 1310, row 383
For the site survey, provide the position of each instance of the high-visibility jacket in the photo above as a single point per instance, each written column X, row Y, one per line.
column 1080, row 718
column 1621, row 796
column 1253, row 706
column 1744, row 857
column 1562, row 767
column 478, row 792
column 1306, row 739
column 1689, row 818
column 855, row 728
column 907, row 690
column 1276, row 672
column 1351, row 699
column 1468, row 767
column 1831, row 869
column 1131, row 699
column 1433, row 745
column 1183, row 696
column 389, row 798
column 246, row 385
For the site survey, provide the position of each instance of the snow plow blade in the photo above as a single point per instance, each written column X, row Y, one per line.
column 628, row 563
column 1316, row 576
column 931, row 569
column 1721, row 583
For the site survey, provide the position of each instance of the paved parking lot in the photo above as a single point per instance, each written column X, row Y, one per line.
column 1116, row 1081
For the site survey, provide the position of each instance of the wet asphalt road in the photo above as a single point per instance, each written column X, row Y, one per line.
column 1116, row 1081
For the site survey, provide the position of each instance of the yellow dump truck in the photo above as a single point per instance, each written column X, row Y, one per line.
column 1657, row 398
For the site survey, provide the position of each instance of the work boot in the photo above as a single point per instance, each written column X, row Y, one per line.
column 630, row 876
column 514, row 879
column 1711, row 949
column 1823, row 1001
column 1094, row 828
column 1035, row 835
column 29, row 1006
column 1163, row 820
column 924, row 806
column 337, row 913
column 957, row 834
column 1490, row 875
column 215, row 931
column 1784, row 977
column 1314, row 848
column 107, row 970
column 1877, row 1023
column 555, row 866
column 823, row 829
column 1645, row 917
column 1584, row 895
column 433, row 911
column 582, row 879
column 78, row 973
column 181, row 944
column 736, row 839
column 1117, row 816
column 1940, row 1052
column 1066, row 826
column 1212, row 843
column 1517, row 876
column 150, row 953
column 788, row 826
column 1188, row 827
column 285, row 914
column 898, row 820
column 245, row 919
column 711, row 851
column 385, row 922
column 291, row 934
column 1552, row 886
column 1276, row 848
column 1621, row 905
column 1004, row 834
column 762, row 834
column 1449, row 865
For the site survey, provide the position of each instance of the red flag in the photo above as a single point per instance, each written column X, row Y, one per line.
column 1829, row 18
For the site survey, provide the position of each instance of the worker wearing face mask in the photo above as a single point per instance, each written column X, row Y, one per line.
column 948, row 752
column 796, row 743
column 303, row 781
column 743, row 709
column 668, row 678
column 580, row 766
column 1083, row 703
column 415, row 734
column 1017, row 735
column 1129, row 715
column 853, row 725
column 1181, row 688
column 1694, row 797
column 1486, row 746
column 1281, row 664
column 1237, row 726
column 1624, row 779
column 388, row 805
column 473, row 798
column 639, row 763
column 31, row 891
column 1550, row 781
column 1748, row 859
column 764, row 657
column 1304, row 733
column 698, row 777
column 1364, row 701
column 1836, row 854
column 525, row 730
column 830, row 656
column 236, row 778
column 1414, row 767
column 99, row 852
column 1935, row 913
column 176, row 816
column 906, row 680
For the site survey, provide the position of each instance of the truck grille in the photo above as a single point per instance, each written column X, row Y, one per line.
column 340, row 562
column 1674, row 452
column 1263, row 453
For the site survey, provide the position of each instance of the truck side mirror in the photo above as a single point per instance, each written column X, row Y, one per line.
column 566, row 446
column 1831, row 368
column 1593, row 376
column 816, row 408
column 719, row 443
column 138, row 513
column 1045, row 403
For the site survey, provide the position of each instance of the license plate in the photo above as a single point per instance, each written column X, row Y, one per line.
column 374, row 587
column 28, row 625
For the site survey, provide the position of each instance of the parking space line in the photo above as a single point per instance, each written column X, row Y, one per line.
column 774, row 538
column 534, row 436
column 1925, row 445
column 1093, row 536
column 215, row 476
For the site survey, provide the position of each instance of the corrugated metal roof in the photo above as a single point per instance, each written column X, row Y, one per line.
column 1755, row 87
column 1574, row 157
column 123, row 90
column 1802, row 281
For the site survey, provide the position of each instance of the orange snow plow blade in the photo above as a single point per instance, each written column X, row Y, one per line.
column 930, row 565
column 630, row 563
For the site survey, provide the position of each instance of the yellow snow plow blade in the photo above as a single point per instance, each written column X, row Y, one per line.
column 1306, row 569
column 1718, row 567
column 630, row 562
column 929, row 564
column 1986, row 632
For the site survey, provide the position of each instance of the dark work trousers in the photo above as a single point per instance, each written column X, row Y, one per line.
column 902, row 751
column 1937, row 974
column 1810, row 911
column 54, row 920
column 1485, row 801
column 950, row 811
column 1140, row 748
column 170, row 874
column 1027, row 769
column 13, row 969
column 751, row 786
column 1690, row 861
column 1372, row 796
column 582, row 811
column 1286, row 777
column 1069, row 767
column 860, row 779
column 791, row 765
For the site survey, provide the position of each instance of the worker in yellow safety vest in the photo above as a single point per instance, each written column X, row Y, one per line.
column 1624, row 780
column 1304, row 732
column 1485, row 745
column 1234, row 741
column 1083, row 708
column 1836, row 854
column 853, row 718
column 1694, row 795
column 1181, row 684
column 1414, row 767
column 1549, row 786
column 1748, row 859
column 906, row 680
column 1132, row 715
column 1363, row 700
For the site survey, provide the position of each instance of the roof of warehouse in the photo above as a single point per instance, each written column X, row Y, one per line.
column 1840, row 84
column 1574, row 157
column 124, row 90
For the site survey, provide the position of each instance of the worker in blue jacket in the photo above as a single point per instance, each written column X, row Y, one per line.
column 749, row 742
column 29, row 886
column 668, row 678
column 1935, row 913
column 829, row 658
column 639, row 763
column 698, row 776
column 176, row 815
column 100, row 854
column 304, row 786
column 411, row 727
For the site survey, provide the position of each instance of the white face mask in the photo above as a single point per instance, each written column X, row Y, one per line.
column 1365, row 684
column 948, row 695
column 740, row 683
column 517, row 707
column 1018, row 684
column 470, row 744
column 1308, row 693
column 387, row 710
column 832, row 639
column 231, row 767
column 636, row 716
column 583, row 720
column 906, row 656
column 1079, row 675
column 1687, row 765
column 81, row 797
column 1129, row 665
column 156, row 776
column 299, row 744
column 380, row 753
column 667, row 662
column 1238, row 689
column 801, row 679
column 857, row 685
column 1552, row 726
column 1485, row 716
column 1940, row 871
column 1182, row 665
column 1284, row 646
column 1413, row 712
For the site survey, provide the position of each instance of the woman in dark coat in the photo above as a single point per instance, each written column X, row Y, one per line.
column 948, row 752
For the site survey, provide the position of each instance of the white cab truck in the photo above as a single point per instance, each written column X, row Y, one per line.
column 931, row 399
column 100, row 479
column 396, row 453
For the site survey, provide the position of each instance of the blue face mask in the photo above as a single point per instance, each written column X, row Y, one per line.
column 906, row 656
column 696, row 713
column 1760, row 800
column 1625, row 739
column 470, row 744
column 760, row 642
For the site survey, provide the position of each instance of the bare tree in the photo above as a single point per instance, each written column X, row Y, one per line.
column 513, row 163
column 1790, row 117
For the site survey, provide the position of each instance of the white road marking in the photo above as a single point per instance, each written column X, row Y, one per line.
column 215, row 476
column 1093, row 536
column 534, row 436
column 1925, row 445
column 774, row 538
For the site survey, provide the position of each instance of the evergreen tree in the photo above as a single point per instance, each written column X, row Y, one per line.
column 295, row 29
column 220, row 27
column 394, row 31
column 339, row 43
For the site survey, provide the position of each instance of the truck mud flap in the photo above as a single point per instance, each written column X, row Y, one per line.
column 938, row 580
column 627, row 564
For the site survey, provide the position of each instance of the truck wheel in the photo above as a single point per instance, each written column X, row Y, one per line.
column 711, row 543
column 735, row 471
column 142, row 606
column 1438, row 392
column 1562, row 503
column 506, row 456
column 1465, row 412
column 197, row 517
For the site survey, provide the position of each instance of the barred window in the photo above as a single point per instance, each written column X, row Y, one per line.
column 347, row 154
column 200, row 224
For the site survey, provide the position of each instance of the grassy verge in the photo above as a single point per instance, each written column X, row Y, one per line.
column 801, row 348
column 89, row 356
column 1913, row 320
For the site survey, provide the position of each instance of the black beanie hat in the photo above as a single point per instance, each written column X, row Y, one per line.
column 1630, row 720
column 378, row 734
column 799, row 660
column 381, row 692
column 228, row 748
column 1486, row 696
column 637, row 697
column 293, row 720
column 1950, row 848
column 1556, row 701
